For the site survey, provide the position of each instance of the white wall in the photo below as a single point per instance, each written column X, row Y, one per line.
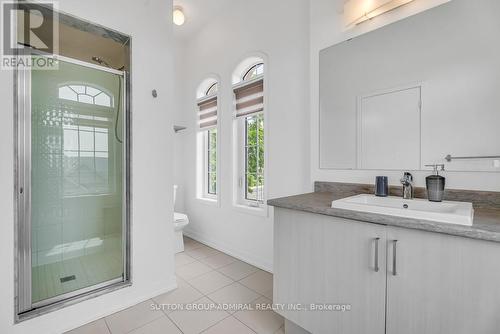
column 326, row 30
column 280, row 30
column 180, row 120
column 149, row 24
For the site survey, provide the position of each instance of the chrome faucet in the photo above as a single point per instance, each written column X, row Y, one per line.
column 407, row 182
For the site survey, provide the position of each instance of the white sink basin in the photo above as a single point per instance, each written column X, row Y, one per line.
column 460, row 213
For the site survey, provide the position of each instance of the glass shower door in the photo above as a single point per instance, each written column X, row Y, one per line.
column 75, row 180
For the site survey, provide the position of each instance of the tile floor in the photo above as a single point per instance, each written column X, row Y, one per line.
column 205, row 277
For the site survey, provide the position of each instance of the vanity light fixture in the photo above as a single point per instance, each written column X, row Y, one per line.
column 358, row 11
column 178, row 16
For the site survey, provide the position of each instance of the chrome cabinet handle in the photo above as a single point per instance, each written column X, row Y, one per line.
column 377, row 268
column 394, row 258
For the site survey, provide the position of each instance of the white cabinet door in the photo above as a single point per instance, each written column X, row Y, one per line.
column 325, row 260
column 443, row 284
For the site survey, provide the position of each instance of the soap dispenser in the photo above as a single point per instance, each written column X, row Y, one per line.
column 435, row 184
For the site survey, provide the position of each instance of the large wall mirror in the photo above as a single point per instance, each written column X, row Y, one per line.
column 421, row 91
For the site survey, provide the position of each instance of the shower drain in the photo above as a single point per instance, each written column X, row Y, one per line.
column 68, row 278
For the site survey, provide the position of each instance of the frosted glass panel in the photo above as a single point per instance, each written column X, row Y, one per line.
column 76, row 181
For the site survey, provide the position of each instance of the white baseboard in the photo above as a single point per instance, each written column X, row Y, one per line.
column 134, row 301
column 221, row 246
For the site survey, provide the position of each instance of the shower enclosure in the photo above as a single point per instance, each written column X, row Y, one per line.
column 72, row 183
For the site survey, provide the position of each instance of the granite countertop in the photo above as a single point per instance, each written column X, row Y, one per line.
column 486, row 225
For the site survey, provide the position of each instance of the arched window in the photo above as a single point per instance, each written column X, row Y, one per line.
column 85, row 94
column 249, row 117
column 86, row 141
column 253, row 72
column 214, row 88
column 207, row 101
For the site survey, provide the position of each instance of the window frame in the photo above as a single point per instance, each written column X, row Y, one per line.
column 84, row 108
column 111, row 182
column 247, row 72
column 240, row 202
column 206, row 165
column 71, row 86
column 209, row 92
column 245, row 172
column 202, row 180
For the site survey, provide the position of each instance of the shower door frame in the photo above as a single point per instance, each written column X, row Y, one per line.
column 24, row 307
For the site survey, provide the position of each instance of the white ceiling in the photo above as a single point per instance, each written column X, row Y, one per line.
column 198, row 13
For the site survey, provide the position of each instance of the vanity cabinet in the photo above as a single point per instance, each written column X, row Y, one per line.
column 426, row 283
column 326, row 260
column 443, row 284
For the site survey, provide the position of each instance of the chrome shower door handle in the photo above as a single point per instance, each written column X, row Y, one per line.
column 377, row 268
column 394, row 258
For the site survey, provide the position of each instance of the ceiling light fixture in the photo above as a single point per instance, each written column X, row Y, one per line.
column 178, row 16
column 358, row 11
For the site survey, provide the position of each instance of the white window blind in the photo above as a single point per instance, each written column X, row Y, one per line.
column 249, row 97
column 207, row 113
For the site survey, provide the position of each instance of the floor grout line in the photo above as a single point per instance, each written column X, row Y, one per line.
column 233, row 278
column 212, row 291
column 218, row 322
column 212, row 301
column 196, row 275
column 185, row 264
column 172, row 320
column 260, row 293
column 225, row 265
column 233, row 281
column 244, row 324
column 147, row 323
column 218, row 270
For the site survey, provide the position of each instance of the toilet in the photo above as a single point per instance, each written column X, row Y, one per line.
column 180, row 221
